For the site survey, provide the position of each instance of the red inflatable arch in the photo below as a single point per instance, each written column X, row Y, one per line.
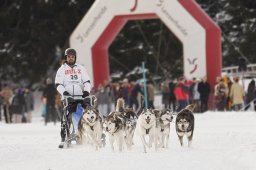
column 200, row 36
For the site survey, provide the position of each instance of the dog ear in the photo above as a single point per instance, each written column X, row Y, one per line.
column 157, row 113
column 190, row 107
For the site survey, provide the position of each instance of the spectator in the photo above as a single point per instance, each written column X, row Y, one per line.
column 204, row 90
column 7, row 94
column 251, row 92
column 189, row 83
column 195, row 95
column 44, row 107
column 1, row 103
column 111, row 98
column 220, row 93
column 18, row 106
column 118, row 91
column 172, row 98
column 229, row 102
column 151, row 94
column 29, row 104
column 237, row 95
column 50, row 93
column 58, row 106
column 136, row 91
column 181, row 93
column 125, row 90
column 102, row 100
column 131, row 86
column 165, row 93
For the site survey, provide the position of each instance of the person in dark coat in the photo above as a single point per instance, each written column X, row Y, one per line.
column 50, row 93
column 133, row 96
column 165, row 93
column 18, row 106
column 29, row 100
column 251, row 92
column 111, row 97
column 204, row 90
column 1, row 102
column 172, row 98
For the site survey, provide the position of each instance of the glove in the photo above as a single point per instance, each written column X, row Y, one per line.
column 85, row 94
column 65, row 93
column 87, row 101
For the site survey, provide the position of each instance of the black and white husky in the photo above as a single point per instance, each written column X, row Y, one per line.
column 185, row 124
column 90, row 127
column 146, row 126
column 130, row 124
column 114, row 125
column 164, row 118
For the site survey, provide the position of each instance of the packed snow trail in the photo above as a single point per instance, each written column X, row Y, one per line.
column 222, row 141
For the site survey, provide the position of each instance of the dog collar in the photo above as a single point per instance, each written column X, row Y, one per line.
column 92, row 128
column 147, row 131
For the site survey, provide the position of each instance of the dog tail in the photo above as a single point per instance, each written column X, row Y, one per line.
column 120, row 105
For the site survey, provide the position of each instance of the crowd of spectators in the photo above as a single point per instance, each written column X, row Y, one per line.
column 16, row 104
column 230, row 94
column 177, row 94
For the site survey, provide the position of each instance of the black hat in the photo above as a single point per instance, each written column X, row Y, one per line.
column 70, row 51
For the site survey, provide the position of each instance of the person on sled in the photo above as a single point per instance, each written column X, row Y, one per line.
column 72, row 80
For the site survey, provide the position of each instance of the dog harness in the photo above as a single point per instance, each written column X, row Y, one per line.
column 147, row 131
column 92, row 128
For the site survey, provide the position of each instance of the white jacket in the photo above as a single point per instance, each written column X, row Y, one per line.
column 74, row 79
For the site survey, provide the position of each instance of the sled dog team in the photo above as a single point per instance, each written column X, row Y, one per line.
column 152, row 126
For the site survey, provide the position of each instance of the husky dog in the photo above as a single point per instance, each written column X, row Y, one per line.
column 164, row 118
column 130, row 125
column 185, row 124
column 128, row 119
column 90, row 126
column 146, row 126
column 114, row 125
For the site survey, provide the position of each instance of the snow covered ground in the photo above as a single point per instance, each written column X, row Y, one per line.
column 222, row 141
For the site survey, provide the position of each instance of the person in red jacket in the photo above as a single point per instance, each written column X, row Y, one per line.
column 181, row 94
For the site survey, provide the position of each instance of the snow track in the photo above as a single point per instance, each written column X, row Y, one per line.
column 222, row 141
